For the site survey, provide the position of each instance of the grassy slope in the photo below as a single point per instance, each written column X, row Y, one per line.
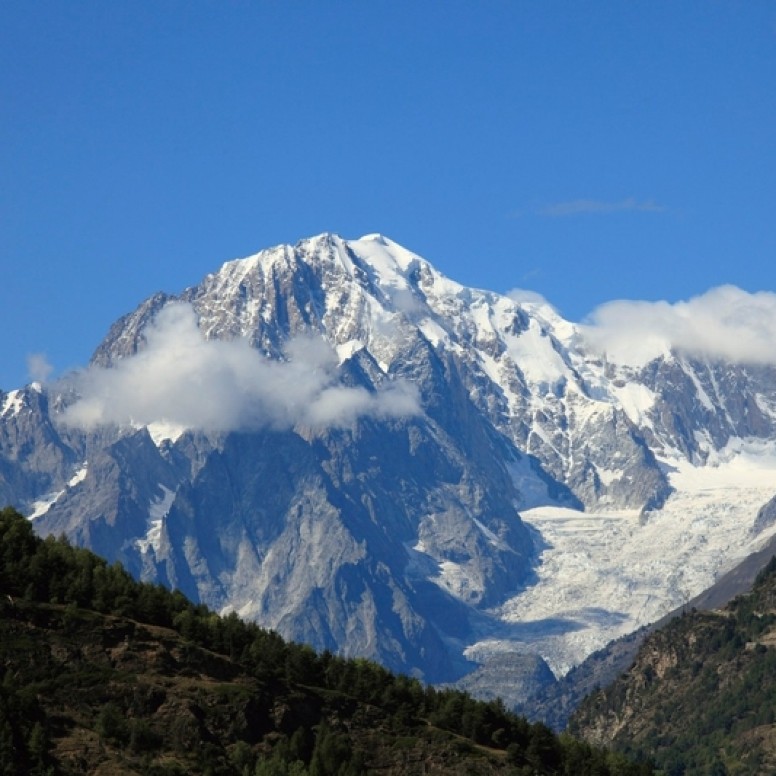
column 701, row 696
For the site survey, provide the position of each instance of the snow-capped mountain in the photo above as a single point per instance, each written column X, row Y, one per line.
column 338, row 441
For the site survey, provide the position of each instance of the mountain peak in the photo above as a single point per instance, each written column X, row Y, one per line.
column 462, row 407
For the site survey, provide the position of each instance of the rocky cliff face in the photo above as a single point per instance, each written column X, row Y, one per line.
column 366, row 498
column 699, row 695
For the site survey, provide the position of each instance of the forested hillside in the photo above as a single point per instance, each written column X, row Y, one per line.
column 101, row 674
column 701, row 696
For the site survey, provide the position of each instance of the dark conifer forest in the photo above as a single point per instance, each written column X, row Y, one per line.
column 102, row 674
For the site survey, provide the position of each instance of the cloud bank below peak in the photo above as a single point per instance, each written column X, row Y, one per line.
column 183, row 380
column 723, row 324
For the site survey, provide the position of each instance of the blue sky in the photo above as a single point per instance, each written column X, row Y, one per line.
column 588, row 151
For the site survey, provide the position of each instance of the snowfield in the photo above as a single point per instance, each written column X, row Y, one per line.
column 603, row 575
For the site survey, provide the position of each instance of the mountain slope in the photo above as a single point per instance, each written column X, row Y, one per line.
column 701, row 694
column 554, row 702
column 100, row 674
column 337, row 441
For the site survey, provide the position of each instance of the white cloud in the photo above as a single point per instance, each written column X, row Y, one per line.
column 597, row 207
column 406, row 302
column 38, row 367
column 184, row 380
column 725, row 323
column 524, row 296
